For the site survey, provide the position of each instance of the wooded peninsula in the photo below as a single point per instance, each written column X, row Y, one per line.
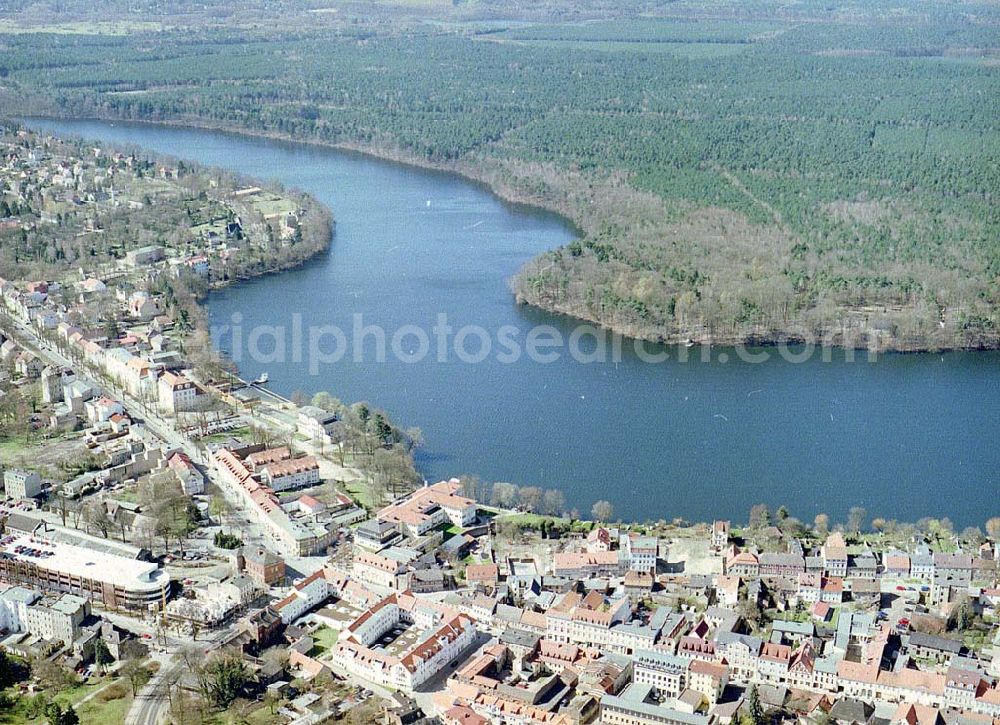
column 745, row 172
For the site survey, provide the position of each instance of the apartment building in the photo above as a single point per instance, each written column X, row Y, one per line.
column 19, row 484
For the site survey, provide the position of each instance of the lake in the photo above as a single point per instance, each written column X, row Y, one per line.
column 905, row 436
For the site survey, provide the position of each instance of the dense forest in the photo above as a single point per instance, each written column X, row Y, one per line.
column 738, row 171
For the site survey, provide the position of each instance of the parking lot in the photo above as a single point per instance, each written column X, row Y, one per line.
column 901, row 603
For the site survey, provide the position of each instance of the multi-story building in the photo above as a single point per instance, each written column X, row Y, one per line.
column 144, row 255
column 773, row 661
column 862, row 566
column 637, row 705
column 743, row 564
column 584, row 564
column 19, row 483
column 813, row 587
column 191, row 479
column 834, row 553
column 955, row 570
column 596, row 622
column 305, row 595
column 56, row 619
column 261, row 565
column 376, row 569
column 290, row 473
column 13, row 602
column 666, row 673
column 135, row 373
column 444, row 635
column 290, row 536
column 431, row 506
column 720, row 535
column 375, row 534
column 639, row 552
column 708, row 678
column 781, row 565
column 53, row 618
column 741, row 651
column 114, row 581
column 177, row 393
column 922, row 565
column 896, row 565
column 316, row 424
column 598, row 539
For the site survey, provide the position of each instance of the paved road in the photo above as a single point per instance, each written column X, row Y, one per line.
column 151, row 703
column 152, row 698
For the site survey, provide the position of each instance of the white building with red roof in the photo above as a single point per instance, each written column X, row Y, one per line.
column 431, row 506
column 443, row 634
column 177, row 393
column 290, row 473
column 191, row 479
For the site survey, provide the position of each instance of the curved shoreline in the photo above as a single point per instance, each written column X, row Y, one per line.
column 356, row 208
column 470, row 173
column 481, row 176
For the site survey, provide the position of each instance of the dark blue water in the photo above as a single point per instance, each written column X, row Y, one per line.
column 906, row 436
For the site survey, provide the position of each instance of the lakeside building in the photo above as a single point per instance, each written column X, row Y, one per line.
column 290, row 535
column 317, row 424
column 177, row 394
column 111, row 580
column 280, row 471
column 720, row 534
column 291, row 473
column 431, row 506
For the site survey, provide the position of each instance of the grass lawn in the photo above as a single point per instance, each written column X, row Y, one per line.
column 129, row 495
column 108, row 706
column 449, row 530
column 836, row 618
column 975, row 639
column 534, row 521
column 324, row 639
column 527, row 520
column 13, row 448
column 358, row 491
column 95, row 710
column 270, row 204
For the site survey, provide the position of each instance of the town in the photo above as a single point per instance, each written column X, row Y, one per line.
column 180, row 545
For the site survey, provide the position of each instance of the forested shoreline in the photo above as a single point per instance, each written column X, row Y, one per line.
column 746, row 181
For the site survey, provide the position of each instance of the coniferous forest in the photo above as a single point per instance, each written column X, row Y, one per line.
column 738, row 171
